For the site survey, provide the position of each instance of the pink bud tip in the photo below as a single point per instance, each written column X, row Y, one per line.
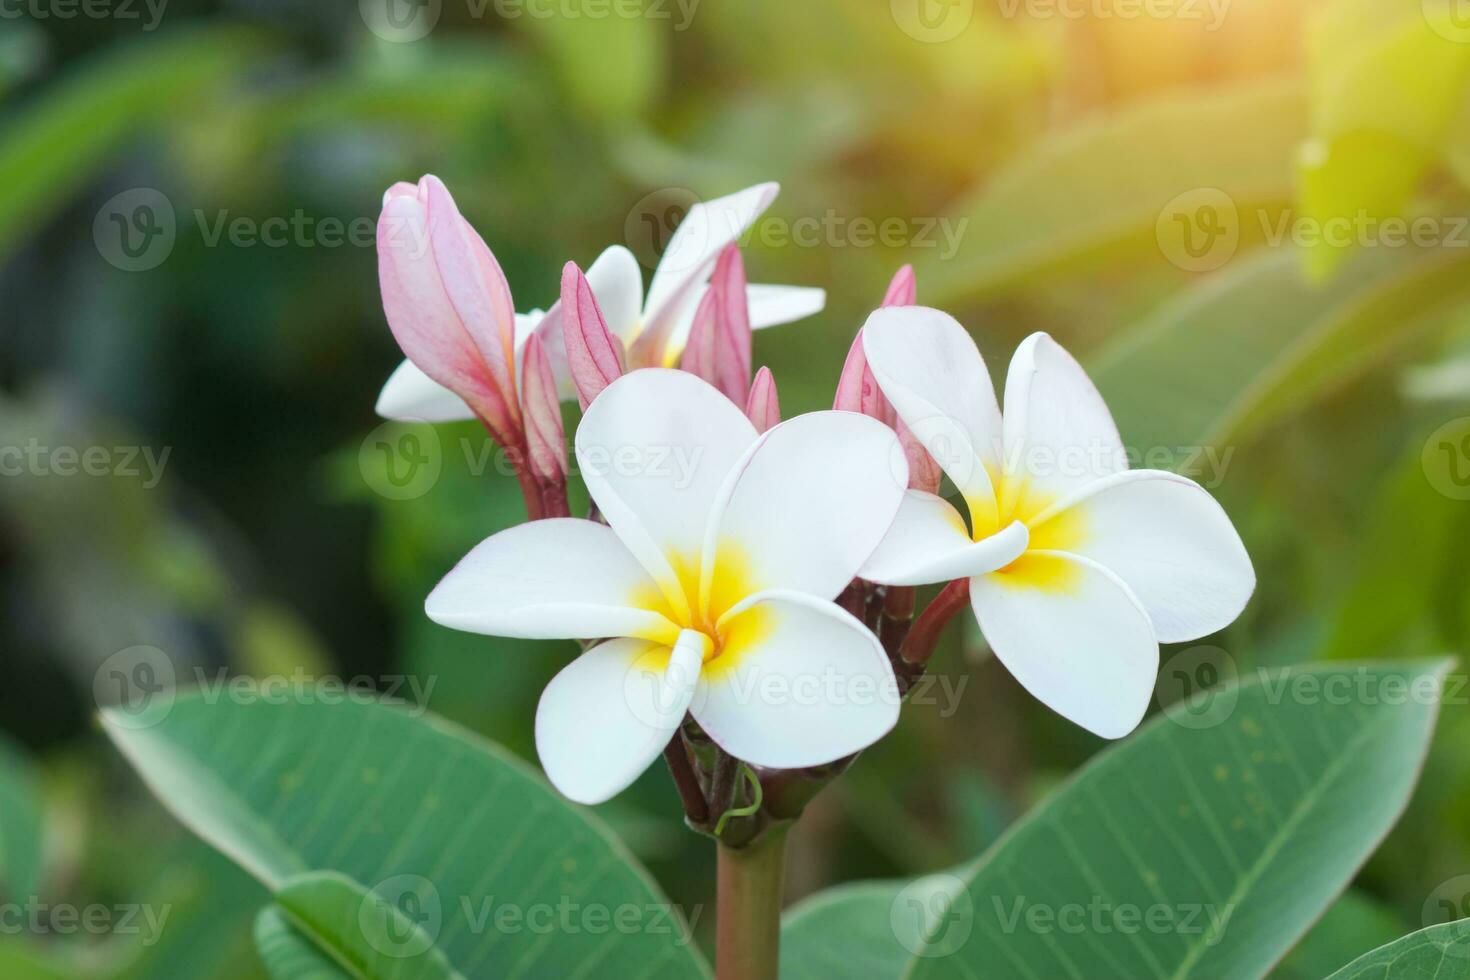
column 857, row 389
column 594, row 355
column 763, row 408
column 903, row 290
column 719, row 349
column 546, row 442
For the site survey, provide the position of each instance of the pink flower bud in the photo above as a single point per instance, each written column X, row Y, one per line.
column 594, row 355
column 763, row 408
column 546, row 443
column 857, row 389
column 448, row 303
column 719, row 349
column 903, row 290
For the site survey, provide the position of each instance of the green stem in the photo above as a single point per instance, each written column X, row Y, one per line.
column 748, row 936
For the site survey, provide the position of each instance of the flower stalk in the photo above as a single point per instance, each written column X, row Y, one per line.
column 748, row 930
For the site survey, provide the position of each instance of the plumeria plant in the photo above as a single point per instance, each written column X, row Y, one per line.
column 756, row 600
column 749, row 619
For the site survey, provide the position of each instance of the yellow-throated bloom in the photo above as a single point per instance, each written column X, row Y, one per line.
column 1078, row 566
column 711, row 584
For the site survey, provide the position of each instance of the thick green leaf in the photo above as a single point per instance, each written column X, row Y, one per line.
column 371, row 936
column 1102, row 182
column 505, row 871
column 56, row 143
column 1246, row 348
column 844, row 931
column 1440, row 952
column 20, row 825
column 287, row 954
column 1201, row 849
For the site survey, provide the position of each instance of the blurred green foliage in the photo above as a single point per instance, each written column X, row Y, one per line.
column 1070, row 153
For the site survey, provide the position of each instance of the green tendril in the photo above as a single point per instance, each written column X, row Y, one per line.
column 743, row 811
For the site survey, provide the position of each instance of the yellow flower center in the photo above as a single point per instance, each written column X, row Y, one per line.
column 1017, row 499
column 731, row 580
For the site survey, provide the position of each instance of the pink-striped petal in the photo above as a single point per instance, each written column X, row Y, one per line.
column 719, row 349
column 762, row 407
column 903, row 290
column 546, row 441
column 594, row 355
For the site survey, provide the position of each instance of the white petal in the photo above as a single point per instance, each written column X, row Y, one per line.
column 774, row 305
column 562, row 578
column 928, row 543
column 1059, row 434
column 797, row 683
column 617, row 282
column 930, row 369
column 655, row 448
column 1171, row 542
column 1074, row 636
column 697, row 242
column 412, row 396
column 808, row 506
column 610, row 712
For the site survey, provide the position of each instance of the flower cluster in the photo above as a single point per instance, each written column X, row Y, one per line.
column 760, row 604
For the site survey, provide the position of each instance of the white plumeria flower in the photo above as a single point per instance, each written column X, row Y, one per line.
column 665, row 314
column 1078, row 567
column 713, row 578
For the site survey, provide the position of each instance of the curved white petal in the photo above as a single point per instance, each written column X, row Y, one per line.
column 928, row 543
column 617, row 282
column 797, row 683
column 1059, row 434
column 931, row 371
column 1074, row 636
column 655, row 448
column 774, row 305
column 610, row 712
column 410, row 395
column 807, row 506
column 697, row 242
column 563, row 578
column 1171, row 542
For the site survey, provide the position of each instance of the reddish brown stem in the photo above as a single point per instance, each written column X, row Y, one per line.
column 676, row 754
column 919, row 645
